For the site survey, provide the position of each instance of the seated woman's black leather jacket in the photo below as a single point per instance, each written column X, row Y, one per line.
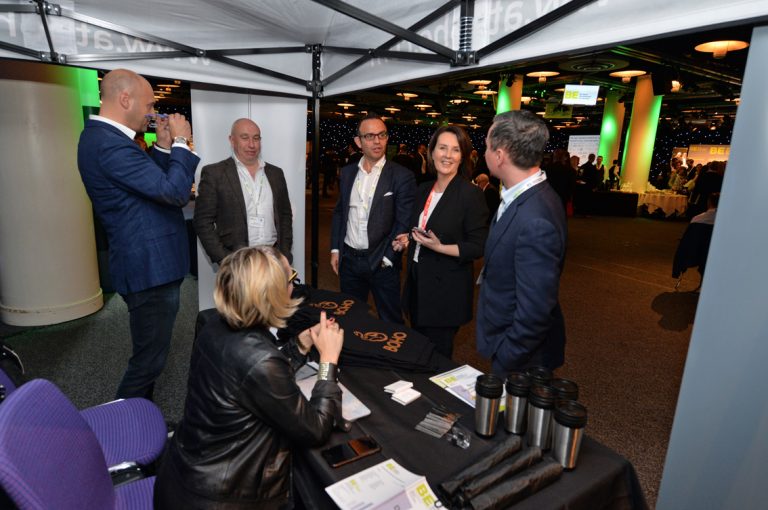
column 242, row 416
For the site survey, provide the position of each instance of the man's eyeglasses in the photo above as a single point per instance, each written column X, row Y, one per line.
column 294, row 277
column 369, row 137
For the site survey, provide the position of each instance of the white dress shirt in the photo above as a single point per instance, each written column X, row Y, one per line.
column 259, row 205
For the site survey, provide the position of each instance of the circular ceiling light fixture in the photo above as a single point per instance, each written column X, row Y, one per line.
column 458, row 101
column 392, row 109
column 525, row 99
column 479, row 82
column 484, row 92
column 407, row 95
column 345, row 105
column 433, row 114
column 598, row 64
column 626, row 76
column 718, row 49
column 542, row 75
column 422, row 106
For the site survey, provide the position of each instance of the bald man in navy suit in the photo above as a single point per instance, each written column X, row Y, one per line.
column 138, row 198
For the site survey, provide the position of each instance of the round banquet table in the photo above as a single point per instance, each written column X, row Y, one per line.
column 671, row 204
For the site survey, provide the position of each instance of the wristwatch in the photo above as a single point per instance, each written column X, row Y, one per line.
column 180, row 139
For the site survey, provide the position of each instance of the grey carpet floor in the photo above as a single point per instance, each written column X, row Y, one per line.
column 628, row 333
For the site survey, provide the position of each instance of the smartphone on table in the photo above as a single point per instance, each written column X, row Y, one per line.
column 350, row 451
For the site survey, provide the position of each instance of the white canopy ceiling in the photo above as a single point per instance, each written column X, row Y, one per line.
column 273, row 35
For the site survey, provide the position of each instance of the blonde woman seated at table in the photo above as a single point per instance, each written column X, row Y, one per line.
column 244, row 412
column 448, row 235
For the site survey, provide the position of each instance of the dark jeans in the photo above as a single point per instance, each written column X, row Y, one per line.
column 357, row 279
column 442, row 337
column 152, row 314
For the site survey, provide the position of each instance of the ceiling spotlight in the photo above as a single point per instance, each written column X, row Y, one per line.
column 475, row 126
column 676, row 86
column 484, row 92
column 626, row 76
column 458, row 101
column 542, row 75
column 479, row 82
column 433, row 114
column 392, row 109
column 525, row 99
column 718, row 49
column 422, row 106
column 407, row 95
column 345, row 105
column 468, row 118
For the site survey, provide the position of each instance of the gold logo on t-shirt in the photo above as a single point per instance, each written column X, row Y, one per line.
column 393, row 343
column 334, row 307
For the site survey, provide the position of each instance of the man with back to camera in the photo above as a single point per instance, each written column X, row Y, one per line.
column 242, row 200
column 138, row 198
column 519, row 320
column 374, row 206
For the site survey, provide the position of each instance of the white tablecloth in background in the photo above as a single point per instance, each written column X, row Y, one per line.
column 670, row 203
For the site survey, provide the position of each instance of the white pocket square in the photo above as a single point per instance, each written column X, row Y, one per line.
column 388, row 193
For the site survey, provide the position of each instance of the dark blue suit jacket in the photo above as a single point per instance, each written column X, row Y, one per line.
column 519, row 320
column 389, row 215
column 138, row 198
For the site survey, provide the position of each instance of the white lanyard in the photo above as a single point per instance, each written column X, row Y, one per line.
column 540, row 177
column 249, row 184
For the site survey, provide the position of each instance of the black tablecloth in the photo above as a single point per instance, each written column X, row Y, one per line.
column 602, row 479
column 614, row 203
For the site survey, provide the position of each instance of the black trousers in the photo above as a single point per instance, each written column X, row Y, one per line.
column 442, row 337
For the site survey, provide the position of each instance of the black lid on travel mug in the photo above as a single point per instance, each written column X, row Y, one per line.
column 489, row 386
column 565, row 389
column 518, row 384
column 542, row 396
column 571, row 414
column 539, row 375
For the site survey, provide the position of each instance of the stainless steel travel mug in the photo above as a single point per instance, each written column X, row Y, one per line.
column 539, row 375
column 518, row 384
column 488, row 390
column 565, row 389
column 569, row 423
column 541, row 400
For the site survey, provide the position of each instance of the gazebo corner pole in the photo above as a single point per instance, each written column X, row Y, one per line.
column 317, row 88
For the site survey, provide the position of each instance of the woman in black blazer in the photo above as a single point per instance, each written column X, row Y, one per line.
column 448, row 235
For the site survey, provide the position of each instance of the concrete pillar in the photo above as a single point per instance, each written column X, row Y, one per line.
column 641, row 135
column 610, row 131
column 509, row 97
column 48, row 271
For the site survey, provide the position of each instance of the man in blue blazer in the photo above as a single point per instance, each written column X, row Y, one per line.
column 138, row 198
column 519, row 320
column 374, row 206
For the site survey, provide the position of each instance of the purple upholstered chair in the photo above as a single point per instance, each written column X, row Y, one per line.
column 50, row 457
column 130, row 430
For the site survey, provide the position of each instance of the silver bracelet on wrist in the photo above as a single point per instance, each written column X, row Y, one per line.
column 327, row 372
